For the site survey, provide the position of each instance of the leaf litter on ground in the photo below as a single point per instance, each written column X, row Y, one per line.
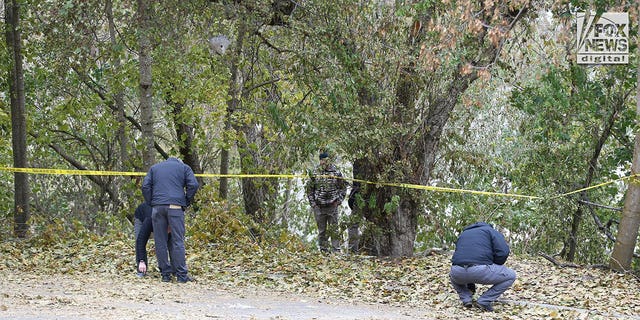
column 541, row 291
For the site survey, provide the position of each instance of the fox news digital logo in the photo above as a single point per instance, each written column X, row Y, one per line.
column 603, row 39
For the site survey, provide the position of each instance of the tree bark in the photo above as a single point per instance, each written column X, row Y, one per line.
column 232, row 105
column 405, row 225
column 18, row 118
column 257, row 193
column 184, row 133
column 630, row 222
column 628, row 228
column 146, row 81
column 119, row 95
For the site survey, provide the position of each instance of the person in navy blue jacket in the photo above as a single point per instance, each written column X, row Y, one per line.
column 170, row 187
column 480, row 254
column 143, row 230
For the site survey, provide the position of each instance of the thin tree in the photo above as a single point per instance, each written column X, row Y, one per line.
column 232, row 105
column 118, row 96
column 18, row 117
column 146, row 81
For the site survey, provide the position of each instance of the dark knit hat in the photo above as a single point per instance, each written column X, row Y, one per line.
column 324, row 155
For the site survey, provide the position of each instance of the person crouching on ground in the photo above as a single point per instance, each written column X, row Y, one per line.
column 480, row 254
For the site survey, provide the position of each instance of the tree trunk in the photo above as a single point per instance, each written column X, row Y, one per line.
column 119, row 95
column 628, row 228
column 232, row 105
column 570, row 245
column 224, row 163
column 146, row 94
column 405, row 226
column 184, row 132
column 258, row 194
column 252, row 194
column 18, row 118
column 122, row 157
column 393, row 221
column 395, row 231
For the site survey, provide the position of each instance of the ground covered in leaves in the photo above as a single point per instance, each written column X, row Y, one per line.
column 91, row 277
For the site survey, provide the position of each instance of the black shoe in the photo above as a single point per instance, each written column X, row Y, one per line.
column 166, row 278
column 185, row 280
column 468, row 304
column 485, row 307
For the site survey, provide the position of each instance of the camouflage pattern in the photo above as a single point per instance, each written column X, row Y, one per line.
column 326, row 187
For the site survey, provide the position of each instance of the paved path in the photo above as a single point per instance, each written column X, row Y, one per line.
column 79, row 298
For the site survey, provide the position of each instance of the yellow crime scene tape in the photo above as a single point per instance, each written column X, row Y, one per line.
column 445, row 189
column 71, row 172
column 293, row 176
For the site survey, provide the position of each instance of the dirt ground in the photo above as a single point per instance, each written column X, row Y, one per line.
column 77, row 297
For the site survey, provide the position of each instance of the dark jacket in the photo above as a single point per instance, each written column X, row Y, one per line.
column 326, row 187
column 480, row 243
column 169, row 182
column 143, row 213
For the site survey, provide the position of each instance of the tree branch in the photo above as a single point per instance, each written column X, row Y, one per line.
column 93, row 86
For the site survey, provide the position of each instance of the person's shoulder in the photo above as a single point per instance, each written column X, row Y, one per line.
column 187, row 169
column 157, row 165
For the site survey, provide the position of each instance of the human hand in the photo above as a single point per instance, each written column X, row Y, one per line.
column 142, row 267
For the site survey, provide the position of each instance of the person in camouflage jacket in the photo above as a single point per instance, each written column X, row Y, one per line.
column 325, row 191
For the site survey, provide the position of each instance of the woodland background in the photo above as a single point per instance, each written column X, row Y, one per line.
column 473, row 95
